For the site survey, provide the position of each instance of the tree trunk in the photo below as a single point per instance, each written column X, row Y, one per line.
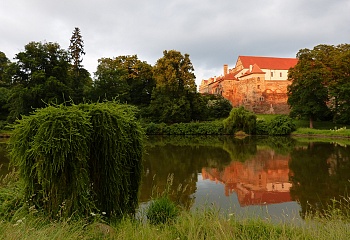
column 311, row 123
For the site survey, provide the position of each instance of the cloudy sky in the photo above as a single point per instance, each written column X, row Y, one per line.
column 213, row 33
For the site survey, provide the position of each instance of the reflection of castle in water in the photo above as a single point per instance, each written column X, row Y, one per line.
column 264, row 179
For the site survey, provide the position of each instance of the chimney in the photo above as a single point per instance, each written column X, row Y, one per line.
column 225, row 69
column 250, row 68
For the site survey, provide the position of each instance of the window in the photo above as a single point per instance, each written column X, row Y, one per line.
column 261, row 98
column 258, row 86
column 271, row 74
column 280, row 74
column 258, row 79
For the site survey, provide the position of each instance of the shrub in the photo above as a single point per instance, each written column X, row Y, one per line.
column 72, row 159
column 162, row 211
column 281, row 125
column 193, row 128
column 240, row 119
column 261, row 127
column 219, row 108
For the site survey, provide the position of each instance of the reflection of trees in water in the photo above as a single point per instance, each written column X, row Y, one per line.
column 321, row 175
column 281, row 145
column 240, row 149
column 182, row 161
column 185, row 156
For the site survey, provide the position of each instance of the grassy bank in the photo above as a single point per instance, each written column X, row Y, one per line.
column 195, row 225
column 321, row 128
column 340, row 132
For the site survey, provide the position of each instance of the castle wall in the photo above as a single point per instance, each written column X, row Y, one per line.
column 259, row 96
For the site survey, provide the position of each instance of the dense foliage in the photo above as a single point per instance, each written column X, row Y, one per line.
column 40, row 75
column 175, row 85
column 77, row 159
column 320, row 86
column 281, row 125
column 240, row 119
column 124, row 78
column 193, row 128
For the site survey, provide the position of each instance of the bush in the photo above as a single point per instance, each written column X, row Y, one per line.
column 261, row 127
column 219, row 108
column 240, row 120
column 193, row 128
column 72, row 159
column 162, row 211
column 281, row 125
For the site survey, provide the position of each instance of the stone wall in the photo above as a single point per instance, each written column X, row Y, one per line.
column 257, row 95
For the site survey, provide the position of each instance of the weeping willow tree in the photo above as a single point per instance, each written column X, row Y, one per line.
column 240, row 119
column 115, row 157
column 51, row 149
column 79, row 159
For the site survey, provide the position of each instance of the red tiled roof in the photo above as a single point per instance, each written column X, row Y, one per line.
column 255, row 69
column 229, row 76
column 268, row 62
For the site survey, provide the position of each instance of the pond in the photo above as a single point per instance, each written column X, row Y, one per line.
column 275, row 177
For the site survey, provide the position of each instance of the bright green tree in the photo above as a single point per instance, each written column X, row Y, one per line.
column 240, row 119
column 79, row 159
column 175, row 83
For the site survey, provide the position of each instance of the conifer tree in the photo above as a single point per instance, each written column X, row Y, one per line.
column 76, row 49
column 80, row 79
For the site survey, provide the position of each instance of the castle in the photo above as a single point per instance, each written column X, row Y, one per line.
column 257, row 83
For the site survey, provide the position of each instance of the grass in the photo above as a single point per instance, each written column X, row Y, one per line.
column 205, row 224
column 340, row 132
column 321, row 128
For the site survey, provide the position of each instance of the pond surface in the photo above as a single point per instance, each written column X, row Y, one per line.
column 275, row 177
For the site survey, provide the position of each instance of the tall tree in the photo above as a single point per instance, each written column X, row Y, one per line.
column 175, row 83
column 76, row 48
column 4, row 62
column 339, row 84
column 308, row 95
column 321, row 83
column 124, row 78
column 174, row 72
column 80, row 79
column 39, row 76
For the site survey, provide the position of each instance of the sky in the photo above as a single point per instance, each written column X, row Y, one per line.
column 213, row 33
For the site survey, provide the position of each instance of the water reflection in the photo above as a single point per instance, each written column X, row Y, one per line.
column 262, row 179
column 321, row 175
column 276, row 174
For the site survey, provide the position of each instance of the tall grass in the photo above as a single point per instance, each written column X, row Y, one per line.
column 205, row 224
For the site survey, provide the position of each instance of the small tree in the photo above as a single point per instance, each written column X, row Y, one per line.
column 79, row 159
column 240, row 120
column 281, row 125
